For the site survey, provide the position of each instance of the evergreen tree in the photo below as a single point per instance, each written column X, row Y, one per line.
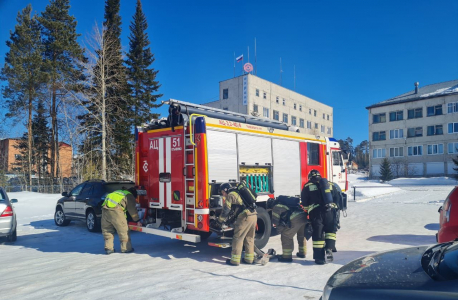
column 385, row 170
column 141, row 77
column 117, row 95
column 23, row 72
column 41, row 141
column 455, row 161
column 62, row 55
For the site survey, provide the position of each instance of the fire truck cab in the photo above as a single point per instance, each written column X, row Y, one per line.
column 181, row 162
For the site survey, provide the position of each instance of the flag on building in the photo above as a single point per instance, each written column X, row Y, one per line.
column 240, row 58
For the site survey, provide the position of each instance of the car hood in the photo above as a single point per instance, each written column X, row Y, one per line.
column 393, row 268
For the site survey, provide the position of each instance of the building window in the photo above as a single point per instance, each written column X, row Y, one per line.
column 378, row 153
column 435, row 149
column 255, row 107
column 225, row 93
column 316, row 125
column 324, row 116
column 265, row 112
column 264, row 95
column 435, row 130
column 309, row 124
column 397, row 152
column 285, row 118
column 277, row 100
column 396, row 115
column 434, row 110
column 293, row 120
column 225, row 108
column 257, row 93
column 414, row 132
column 314, row 113
column 284, row 102
column 310, row 111
column 379, row 136
column 452, row 148
column 276, row 115
column 329, row 130
column 313, row 154
column 379, row 118
column 452, row 107
column 327, row 117
column 415, row 151
column 301, row 123
column 415, row 113
column 17, row 157
column 452, row 127
column 294, row 105
column 396, row 134
column 300, row 107
column 323, row 128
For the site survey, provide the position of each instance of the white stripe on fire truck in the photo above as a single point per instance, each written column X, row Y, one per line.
column 168, row 169
column 161, row 170
column 202, row 211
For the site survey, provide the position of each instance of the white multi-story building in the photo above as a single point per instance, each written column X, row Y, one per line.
column 249, row 94
column 417, row 131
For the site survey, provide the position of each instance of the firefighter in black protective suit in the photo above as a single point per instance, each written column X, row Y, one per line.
column 316, row 196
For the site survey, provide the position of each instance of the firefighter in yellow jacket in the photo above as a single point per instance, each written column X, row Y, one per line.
column 289, row 222
column 114, row 220
column 244, row 225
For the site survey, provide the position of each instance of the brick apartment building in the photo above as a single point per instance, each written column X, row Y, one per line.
column 9, row 155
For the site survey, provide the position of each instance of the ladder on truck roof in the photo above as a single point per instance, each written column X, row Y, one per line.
column 191, row 108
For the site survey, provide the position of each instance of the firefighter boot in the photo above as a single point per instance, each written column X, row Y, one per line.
column 109, row 251
column 300, row 255
column 284, row 259
column 320, row 261
column 329, row 257
column 128, row 251
column 228, row 262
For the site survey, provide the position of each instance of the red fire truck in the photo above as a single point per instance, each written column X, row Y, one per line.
column 181, row 161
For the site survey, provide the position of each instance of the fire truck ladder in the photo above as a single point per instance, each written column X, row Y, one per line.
column 189, row 179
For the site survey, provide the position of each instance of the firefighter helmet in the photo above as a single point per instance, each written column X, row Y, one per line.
column 225, row 187
column 314, row 174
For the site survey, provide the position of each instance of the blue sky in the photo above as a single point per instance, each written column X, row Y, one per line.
column 348, row 54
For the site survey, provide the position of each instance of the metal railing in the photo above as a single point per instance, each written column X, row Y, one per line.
column 46, row 189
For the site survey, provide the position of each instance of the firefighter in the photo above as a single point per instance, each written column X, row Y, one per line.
column 114, row 220
column 316, row 196
column 244, row 225
column 334, row 225
column 290, row 221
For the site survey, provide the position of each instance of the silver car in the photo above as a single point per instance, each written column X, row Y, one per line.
column 8, row 222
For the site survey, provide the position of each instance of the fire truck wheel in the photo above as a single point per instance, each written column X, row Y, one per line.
column 263, row 228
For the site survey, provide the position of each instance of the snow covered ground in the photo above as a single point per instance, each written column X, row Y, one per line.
column 50, row 262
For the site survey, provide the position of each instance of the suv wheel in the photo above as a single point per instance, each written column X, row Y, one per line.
column 59, row 217
column 92, row 223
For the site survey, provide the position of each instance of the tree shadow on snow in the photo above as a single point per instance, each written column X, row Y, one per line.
column 405, row 239
column 76, row 238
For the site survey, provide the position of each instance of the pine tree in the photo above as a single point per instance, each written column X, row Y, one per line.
column 117, row 94
column 23, row 71
column 141, row 77
column 455, row 161
column 63, row 55
column 41, row 141
column 385, row 170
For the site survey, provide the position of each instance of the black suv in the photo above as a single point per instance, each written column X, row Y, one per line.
column 84, row 202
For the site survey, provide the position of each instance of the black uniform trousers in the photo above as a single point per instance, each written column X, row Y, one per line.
column 324, row 231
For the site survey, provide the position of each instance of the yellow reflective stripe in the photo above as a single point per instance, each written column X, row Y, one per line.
column 235, row 258
column 312, row 207
column 330, row 236
column 249, row 257
column 307, row 184
column 303, row 250
column 327, row 191
column 275, row 215
column 282, row 206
